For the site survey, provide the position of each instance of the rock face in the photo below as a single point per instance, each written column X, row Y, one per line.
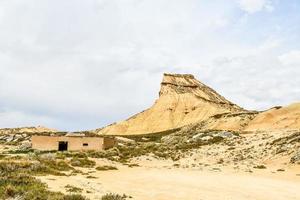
column 182, row 100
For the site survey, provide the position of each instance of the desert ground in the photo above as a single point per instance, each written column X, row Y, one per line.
column 163, row 182
column 187, row 164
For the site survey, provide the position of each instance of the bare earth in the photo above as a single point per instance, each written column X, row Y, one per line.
column 144, row 183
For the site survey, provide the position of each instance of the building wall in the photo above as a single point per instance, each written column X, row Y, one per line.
column 109, row 142
column 50, row 143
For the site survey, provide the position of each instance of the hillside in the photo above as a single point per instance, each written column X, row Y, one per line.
column 182, row 100
column 277, row 119
column 37, row 129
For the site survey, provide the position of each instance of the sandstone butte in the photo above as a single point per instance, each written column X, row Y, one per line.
column 185, row 101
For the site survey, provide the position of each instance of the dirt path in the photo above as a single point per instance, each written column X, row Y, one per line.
column 181, row 184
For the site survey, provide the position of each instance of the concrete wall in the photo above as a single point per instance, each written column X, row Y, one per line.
column 109, row 142
column 50, row 143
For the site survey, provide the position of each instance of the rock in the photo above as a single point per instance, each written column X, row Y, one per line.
column 145, row 139
column 207, row 138
column 199, row 135
column 295, row 158
column 18, row 136
column 225, row 135
column 25, row 145
column 124, row 140
column 9, row 138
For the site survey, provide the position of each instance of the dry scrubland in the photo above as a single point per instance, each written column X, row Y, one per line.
column 200, row 146
column 185, row 164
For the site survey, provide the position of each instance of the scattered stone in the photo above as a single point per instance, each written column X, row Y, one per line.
column 124, row 140
column 215, row 169
column 295, row 158
column 226, row 135
column 9, row 138
column 25, row 145
column 145, row 139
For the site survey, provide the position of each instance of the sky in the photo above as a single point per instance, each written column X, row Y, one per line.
column 83, row 64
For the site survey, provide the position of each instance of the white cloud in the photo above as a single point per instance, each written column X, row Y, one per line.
column 10, row 119
column 258, row 81
column 253, row 6
column 291, row 58
column 84, row 64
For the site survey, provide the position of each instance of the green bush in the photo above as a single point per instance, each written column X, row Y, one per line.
column 82, row 162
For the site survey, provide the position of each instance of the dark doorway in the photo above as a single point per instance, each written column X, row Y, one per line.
column 62, row 146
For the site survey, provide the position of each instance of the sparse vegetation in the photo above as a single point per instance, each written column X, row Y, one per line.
column 82, row 162
column 33, row 168
column 73, row 189
column 105, row 168
column 23, row 186
column 260, row 167
column 112, row 196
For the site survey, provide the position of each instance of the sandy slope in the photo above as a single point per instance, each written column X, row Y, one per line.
column 182, row 100
column 183, row 184
column 285, row 118
column 20, row 130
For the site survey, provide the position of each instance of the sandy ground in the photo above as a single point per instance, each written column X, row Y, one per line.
column 144, row 183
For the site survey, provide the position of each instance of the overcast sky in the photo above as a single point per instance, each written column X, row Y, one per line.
column 82, row 64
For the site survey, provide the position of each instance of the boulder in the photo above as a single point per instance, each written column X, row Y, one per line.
column 296, row 157
column 9, row 138
column 25, row 145
column 225, row 134
column 124, row 140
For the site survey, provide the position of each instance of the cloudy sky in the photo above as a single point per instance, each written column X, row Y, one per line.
column 82, row 64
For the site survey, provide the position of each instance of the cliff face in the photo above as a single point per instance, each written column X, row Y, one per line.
column 186, row 84
column 182, row 100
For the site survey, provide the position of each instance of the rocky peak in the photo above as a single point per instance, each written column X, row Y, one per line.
column 180, row 84
column 177, row 83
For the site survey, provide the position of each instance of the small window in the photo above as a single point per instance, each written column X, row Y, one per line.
column 85, row 144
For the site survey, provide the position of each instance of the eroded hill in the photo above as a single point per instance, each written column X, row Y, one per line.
column 182, row 100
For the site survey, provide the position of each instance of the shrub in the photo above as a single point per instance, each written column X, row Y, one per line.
column 33, row 168
column 73, row 189
column 26, row 187
column 112, row 196
column 10, row 191
column 82, row 162
column 105, row 168
column 260, row 167
column 74, row 197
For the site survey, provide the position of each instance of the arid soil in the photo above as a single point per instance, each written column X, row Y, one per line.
column 166, row 182
column 250, row 166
